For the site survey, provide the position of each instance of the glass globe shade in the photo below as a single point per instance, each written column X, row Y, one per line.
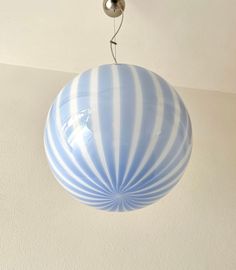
column 118, row 137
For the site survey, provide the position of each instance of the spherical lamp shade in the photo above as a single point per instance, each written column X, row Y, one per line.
column 118, row 137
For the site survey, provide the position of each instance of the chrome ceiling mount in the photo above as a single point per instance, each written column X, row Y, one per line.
column 113, row 8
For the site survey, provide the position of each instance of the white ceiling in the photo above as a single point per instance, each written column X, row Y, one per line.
column 190, row 43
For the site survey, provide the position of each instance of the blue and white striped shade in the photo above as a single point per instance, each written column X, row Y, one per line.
column 118, row 137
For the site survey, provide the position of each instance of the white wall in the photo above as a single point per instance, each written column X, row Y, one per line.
column 42, row 227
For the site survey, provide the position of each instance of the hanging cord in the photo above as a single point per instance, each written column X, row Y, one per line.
column 113, row 39
column 114, row 30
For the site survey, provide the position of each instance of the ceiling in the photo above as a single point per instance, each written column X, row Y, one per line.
column 190, row 43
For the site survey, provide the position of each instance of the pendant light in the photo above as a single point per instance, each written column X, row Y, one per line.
column 118, row 137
